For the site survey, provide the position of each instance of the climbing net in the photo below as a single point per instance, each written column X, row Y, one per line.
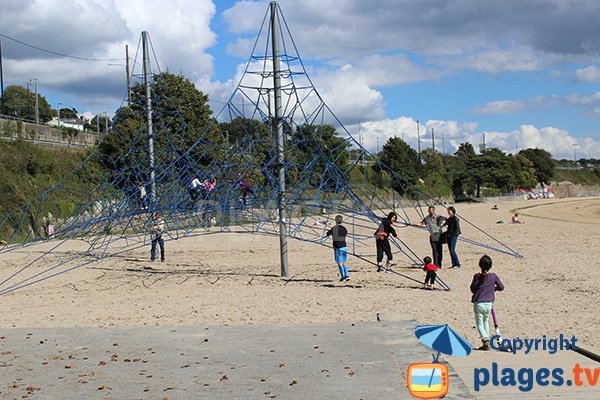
column 235, row 156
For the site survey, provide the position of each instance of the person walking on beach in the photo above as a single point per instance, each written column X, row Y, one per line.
column 483, row 287
column 340, row 249
column 453, row 233
column 431, row 270
column 382, row 234
column 157, row 229
column 434, row 224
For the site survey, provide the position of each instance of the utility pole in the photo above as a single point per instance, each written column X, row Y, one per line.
column 37, row 110
column 443, row 143
column 418, row 142
column 432, row 140
column 98, row 124
column 127, row 72
column 283, row 249
column 1, row 82
column 58, row 113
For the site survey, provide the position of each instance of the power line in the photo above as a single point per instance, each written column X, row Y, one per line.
column 57, row 53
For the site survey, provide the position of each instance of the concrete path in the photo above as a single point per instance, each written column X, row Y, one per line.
column 343, row 360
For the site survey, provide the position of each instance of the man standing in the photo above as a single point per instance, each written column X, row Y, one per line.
column 434, row 224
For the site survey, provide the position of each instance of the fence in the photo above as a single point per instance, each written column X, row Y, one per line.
column 12, row 129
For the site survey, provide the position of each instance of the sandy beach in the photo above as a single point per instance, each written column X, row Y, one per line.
column 233, row 279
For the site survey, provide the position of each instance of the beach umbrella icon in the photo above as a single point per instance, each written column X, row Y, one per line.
column 443, row 339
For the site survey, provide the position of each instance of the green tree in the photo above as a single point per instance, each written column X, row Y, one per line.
column 434, row 171
column 20, row 103
column 403, row 160
column 542, row 163
column 181, row 115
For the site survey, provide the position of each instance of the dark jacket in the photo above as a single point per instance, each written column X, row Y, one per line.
column 339, row 233
column 385, row 229
column 453, row 225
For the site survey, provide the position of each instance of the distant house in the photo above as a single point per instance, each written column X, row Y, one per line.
column 69, row 123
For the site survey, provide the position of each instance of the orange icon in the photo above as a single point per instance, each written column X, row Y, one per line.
column 427, row 380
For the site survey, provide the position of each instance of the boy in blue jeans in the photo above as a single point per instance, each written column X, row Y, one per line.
column 340, row 249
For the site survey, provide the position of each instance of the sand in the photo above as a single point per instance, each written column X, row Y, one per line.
column 233, row 279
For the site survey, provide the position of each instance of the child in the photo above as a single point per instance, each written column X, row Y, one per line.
column 156, row 229
column 483, row 287
column 515, row 219
column 141, row 194
column 340, row 250
column 383, row 243
column 430, row 268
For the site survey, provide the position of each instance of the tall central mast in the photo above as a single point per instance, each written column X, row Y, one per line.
column 278, row 125
column 149, row 117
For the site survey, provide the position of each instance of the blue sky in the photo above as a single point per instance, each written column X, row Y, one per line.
column 524, row 73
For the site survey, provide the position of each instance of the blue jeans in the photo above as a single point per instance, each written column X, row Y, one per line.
column 452, row 248
column 161, row 243
column 482, row 319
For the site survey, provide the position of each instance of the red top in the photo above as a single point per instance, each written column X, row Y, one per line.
column 430, row 267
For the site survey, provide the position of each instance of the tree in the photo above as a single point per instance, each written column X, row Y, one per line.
column 403, row 160
column 20, row 103
column 99, row 123
column 542, row 163
column 68, row 113
column 181, row 115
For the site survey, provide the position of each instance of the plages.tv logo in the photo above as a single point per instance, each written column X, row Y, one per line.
column 429, row 380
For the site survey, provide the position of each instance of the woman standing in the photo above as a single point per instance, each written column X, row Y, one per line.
column 453, row 233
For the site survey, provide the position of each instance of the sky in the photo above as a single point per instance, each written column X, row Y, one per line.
column 521, row 73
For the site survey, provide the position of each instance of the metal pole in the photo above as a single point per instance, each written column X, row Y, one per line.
column 149, row 116
column 432, row 140
column 127, row 72
column 105, row 122
column 1, row 82
column 37, row 108
column 58, row 113
column 280, row 145
column 98, row 124
column 418, row 142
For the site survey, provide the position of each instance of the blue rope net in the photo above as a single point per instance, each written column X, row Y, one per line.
column 111, row 219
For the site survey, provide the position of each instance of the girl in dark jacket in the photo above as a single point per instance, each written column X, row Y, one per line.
column 382, row 234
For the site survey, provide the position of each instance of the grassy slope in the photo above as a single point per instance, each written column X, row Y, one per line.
column 26, row 171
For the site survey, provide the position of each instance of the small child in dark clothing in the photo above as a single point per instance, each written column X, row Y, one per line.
column 340, row 249
column 431, row 269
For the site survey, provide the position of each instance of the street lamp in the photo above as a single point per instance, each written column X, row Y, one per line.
column 58, row 113
column 575, row 152
column 37, row 110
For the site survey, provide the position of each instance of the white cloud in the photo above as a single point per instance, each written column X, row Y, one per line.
column 179, row 31
column 450, row 134
column 589, row 74
column 501, row 107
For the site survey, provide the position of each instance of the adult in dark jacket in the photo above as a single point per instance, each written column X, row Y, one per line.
column 382, row 234
column 453, row 232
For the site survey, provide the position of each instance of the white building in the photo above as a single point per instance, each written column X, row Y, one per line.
column 69, row 123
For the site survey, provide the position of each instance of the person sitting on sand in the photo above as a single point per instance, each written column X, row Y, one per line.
column 515, row 219
column 430, row 268
column 495, row 207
